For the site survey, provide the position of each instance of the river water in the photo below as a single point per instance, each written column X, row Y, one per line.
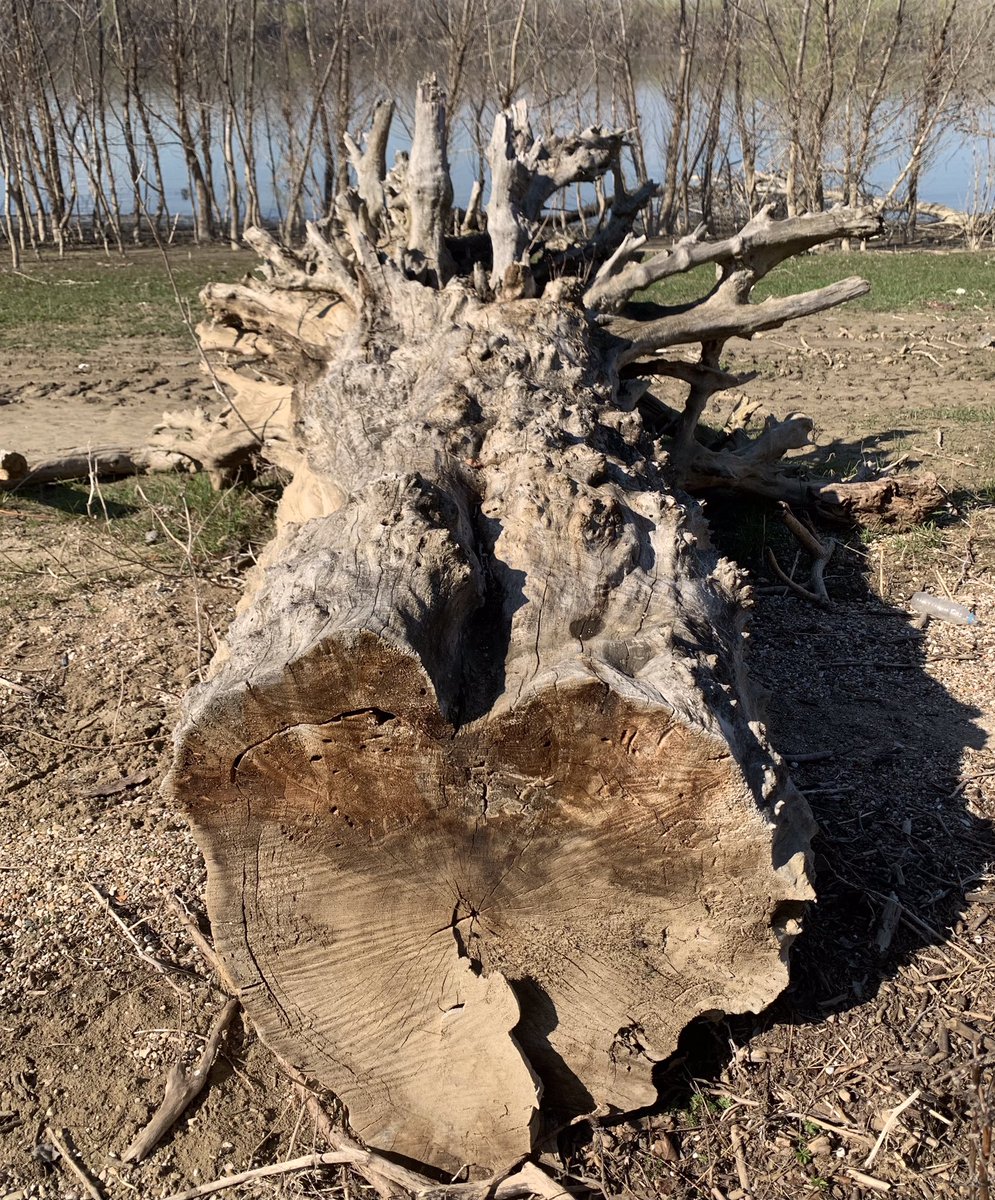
column 958, row 173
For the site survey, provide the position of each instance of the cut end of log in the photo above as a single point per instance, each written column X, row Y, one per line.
column 422, row 915
column 13, row 467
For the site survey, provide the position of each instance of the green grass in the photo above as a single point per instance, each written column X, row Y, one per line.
column 162, row 522
column 899, row 280
column 915, row 548
column 962, row 414
column 86, row 299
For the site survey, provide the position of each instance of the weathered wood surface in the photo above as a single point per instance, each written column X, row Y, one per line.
column 489, row 714
column 484, row 792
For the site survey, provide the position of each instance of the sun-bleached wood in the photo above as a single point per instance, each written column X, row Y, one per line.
column 526, row 172
column 484, row 730
column 484, row 792
column 429, row 188
column 763, row 243
column 370, row 163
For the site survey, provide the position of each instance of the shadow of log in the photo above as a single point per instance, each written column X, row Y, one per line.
column 74, row 501
column 876, row 744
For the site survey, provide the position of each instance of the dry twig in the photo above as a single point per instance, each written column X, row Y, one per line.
column 529, row 1180
column 889, row 1124
column 163, row 968
column 181, row 1090
column 821, row 554
column 58, row 1140
column 203, row 944
column 306, row 1162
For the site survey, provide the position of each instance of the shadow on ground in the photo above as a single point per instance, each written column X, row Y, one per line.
column 877, row 746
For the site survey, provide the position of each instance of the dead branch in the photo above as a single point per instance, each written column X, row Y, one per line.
column 821, row 553
column 203, row 944
column 430, row 190
column 307, row 1162
column 296, row 321
column 762, row 243
column 726, row 314
column 60, row 1142
column 526, row 172
column 370, row 164
column 318, row 268
column 157, row 964
column 688, row 372
column 528, row 1181
column 102, row 462
column 182, row 1088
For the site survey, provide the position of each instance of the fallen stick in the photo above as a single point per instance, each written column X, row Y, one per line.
column 529, row 1180
column 60, row 1143
column 843, row 1131
column 868, row 1181
column 156, row 964
column 736, row 1136
column 181, row 1089
column 821, row 554
column 203, row 944
column 325, row 1129
column 306, row 1162
column 889, row 1124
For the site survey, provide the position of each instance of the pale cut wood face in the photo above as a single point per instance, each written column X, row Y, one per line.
column 582, row 846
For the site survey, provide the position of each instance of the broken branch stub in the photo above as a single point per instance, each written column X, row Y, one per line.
column 487, row 807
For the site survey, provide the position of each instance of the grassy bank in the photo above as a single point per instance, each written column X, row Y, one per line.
column 85, row 299
column 900, row 281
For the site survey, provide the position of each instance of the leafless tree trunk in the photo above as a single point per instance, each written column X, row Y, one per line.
column 678, row 104
column 11, row 206
column 127, row 71
column 941, row 75
column 744, row 104
column 818, row 109
column 866, row 91
column 182, row 23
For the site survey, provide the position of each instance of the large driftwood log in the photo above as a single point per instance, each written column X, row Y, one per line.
column 487, row 805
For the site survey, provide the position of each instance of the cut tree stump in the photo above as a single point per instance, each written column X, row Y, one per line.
column 487, row 805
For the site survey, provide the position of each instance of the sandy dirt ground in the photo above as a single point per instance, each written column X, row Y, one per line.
column 108, row 397
column 873, row 1074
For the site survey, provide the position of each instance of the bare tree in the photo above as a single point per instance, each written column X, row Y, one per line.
column 183, row 22
column 871, row 72
column 933, row 97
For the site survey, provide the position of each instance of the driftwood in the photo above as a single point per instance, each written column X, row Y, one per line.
column 821, row 553
column 487, row 807
column 528, row 1181
column 488, row 811
column 60, row 1141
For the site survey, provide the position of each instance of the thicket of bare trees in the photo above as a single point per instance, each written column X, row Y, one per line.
column 119, row 117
